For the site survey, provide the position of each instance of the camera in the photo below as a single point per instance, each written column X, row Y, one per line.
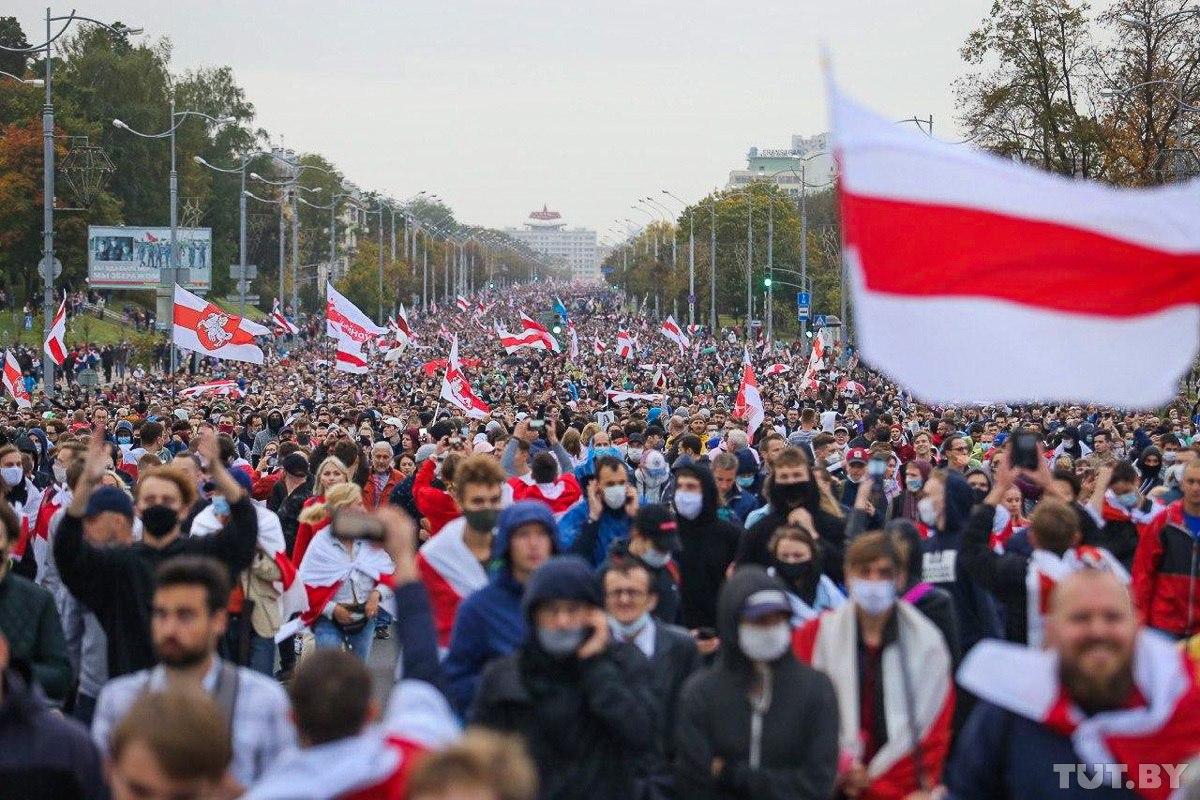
column 1025, row 450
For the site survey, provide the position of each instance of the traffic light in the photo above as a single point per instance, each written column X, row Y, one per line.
column 767, row 283
column 556, row 330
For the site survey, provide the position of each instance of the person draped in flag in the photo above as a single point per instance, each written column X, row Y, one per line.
column 891, row 671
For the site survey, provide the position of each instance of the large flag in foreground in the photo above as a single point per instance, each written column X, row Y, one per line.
column 977, row 279
column 208, row 329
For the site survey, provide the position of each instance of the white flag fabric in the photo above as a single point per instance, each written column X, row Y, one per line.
column 457, row 390
column 13, row 381
column 749, row 404
column 942, row 241
column 206, row 328
column 670, row 329
column 344, row 320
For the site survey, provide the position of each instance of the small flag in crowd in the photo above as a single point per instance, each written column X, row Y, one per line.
column 56, row 341
column 208, row 329
column 226, row 388
column 671, row 330
column 13, row 381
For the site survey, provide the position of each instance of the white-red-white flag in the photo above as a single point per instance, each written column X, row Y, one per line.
column 457, row 390
column 816, row 358
column 400, row 326
column 851, row 388
column 208, row 329
column 598, row 347
column 226, row 388
column 280, row 320
column 670, row 329
column 344, row 320
column 625, row 344
column 512, row 342
column 777, row 369
column 56, row 341
column 620, row 396
column 350, row 358
column 531, row 325
column 463, row 303
column 749, row 404
column 1080, row 275
column 14, row 382
column 574, row 340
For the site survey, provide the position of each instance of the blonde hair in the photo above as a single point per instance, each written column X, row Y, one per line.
column 343, row 494
column 335, row 462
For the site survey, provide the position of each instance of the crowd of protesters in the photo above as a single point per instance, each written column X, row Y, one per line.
column 858, row 596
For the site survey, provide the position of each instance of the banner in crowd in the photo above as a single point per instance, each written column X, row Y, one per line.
column 208, row 329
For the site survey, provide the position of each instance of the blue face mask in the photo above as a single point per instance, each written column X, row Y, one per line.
column 220, row 506
column 123, row 440
column 914, row 484
column 1128, row 500
column 601, row 452
column 745, row 481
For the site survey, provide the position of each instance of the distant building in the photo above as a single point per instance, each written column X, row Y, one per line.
column 783, row 167
column 547, row 233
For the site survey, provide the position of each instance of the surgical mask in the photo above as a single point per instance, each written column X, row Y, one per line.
column 657, row 475
column 656, row 558
column 1169, row 457
column 159, row 520
column 482, row 520
column 764, row 644
column 560, row 643
column 626, row 631
column 12, row 475
column 124, row 440
column 873, row 597
column 1128, row 500
column 745, row 481
column 927, row 512
column 60, row 473
column 914, row 484
column 689, row 504
column 634, row 454
column 220, row 506
column 614, row 496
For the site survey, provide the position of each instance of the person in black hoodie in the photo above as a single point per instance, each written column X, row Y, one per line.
column 708, row 545
column 758, row 723
column 790, row 487
column 934, row 603
column 580, row 701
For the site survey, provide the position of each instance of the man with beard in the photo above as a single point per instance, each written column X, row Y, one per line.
column 189, row 618
column 794, row 497
column 1105, row 701
column 115, row 583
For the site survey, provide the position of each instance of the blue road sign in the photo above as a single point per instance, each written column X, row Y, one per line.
column 803, row 305
column 819, row 321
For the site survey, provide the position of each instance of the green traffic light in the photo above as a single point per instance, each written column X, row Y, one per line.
column 556, row 329
column 767, row 282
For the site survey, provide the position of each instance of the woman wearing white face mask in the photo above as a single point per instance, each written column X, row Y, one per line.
column 23, row 496
column 709, row 545
column 736, row 735
column 891, row 670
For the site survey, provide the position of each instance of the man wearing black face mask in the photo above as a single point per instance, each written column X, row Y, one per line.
column 794, row 497
column 116, row 583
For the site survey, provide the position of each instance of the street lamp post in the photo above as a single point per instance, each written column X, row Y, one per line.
column 47, row 267
column 691, row 259
column 169, row 276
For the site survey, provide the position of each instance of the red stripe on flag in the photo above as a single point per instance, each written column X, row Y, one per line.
column 926, row 250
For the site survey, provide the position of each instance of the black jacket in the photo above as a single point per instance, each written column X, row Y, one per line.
column 587, row 724
column 288, row 508
column 1001, row 574
column 117, row 583
column 662, row 579
column 675, row 659
column 30, row 623
column 832, row 529
column 799, row 751
column 709, row 546
column 44, row 754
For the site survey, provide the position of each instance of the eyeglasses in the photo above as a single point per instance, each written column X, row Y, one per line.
column 631, row 594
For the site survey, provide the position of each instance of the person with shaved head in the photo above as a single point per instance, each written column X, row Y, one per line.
column 1108, row 709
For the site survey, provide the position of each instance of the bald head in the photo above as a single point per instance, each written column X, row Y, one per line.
column 1090, row 583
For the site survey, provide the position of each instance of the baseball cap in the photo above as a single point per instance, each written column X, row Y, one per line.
column 656, row 521
column 858, row 455
column 483, row 447
column 841, row 428
column 764, row 602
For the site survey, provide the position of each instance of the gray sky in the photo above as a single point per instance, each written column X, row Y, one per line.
column 500, row 107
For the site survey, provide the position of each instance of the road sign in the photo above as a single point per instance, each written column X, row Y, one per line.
column 819, row 321
column 803, row 305
column 239, row 272
column 57, row 268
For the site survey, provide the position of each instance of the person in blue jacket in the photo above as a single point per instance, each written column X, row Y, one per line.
column 489, row 622
column 610, row 502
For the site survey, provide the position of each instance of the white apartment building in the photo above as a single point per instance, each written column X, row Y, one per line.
column 810, row 157
column 547, row 233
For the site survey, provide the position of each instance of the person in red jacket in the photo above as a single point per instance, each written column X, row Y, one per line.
column 1167, row 562
column 382, row 478
column 437, row 506
column 560, row 492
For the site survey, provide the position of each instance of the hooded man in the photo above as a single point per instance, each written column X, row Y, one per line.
column 736, row 737
column 610, row 504
column 490, row 622
column 580, row 701
column 708, row 545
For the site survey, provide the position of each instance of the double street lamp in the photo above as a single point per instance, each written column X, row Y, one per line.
column 169, row 276
column 48, row 162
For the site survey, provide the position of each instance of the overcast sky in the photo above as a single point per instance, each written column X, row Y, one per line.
column 501, row 107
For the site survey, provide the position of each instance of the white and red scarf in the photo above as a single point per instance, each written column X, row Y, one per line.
column 828, row 643
column 1047, row 569
column 450, row 573
column 326, row 566
column 1161, row 728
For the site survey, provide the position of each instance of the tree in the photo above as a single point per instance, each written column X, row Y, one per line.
column 1028, row 95
column 13, row 37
